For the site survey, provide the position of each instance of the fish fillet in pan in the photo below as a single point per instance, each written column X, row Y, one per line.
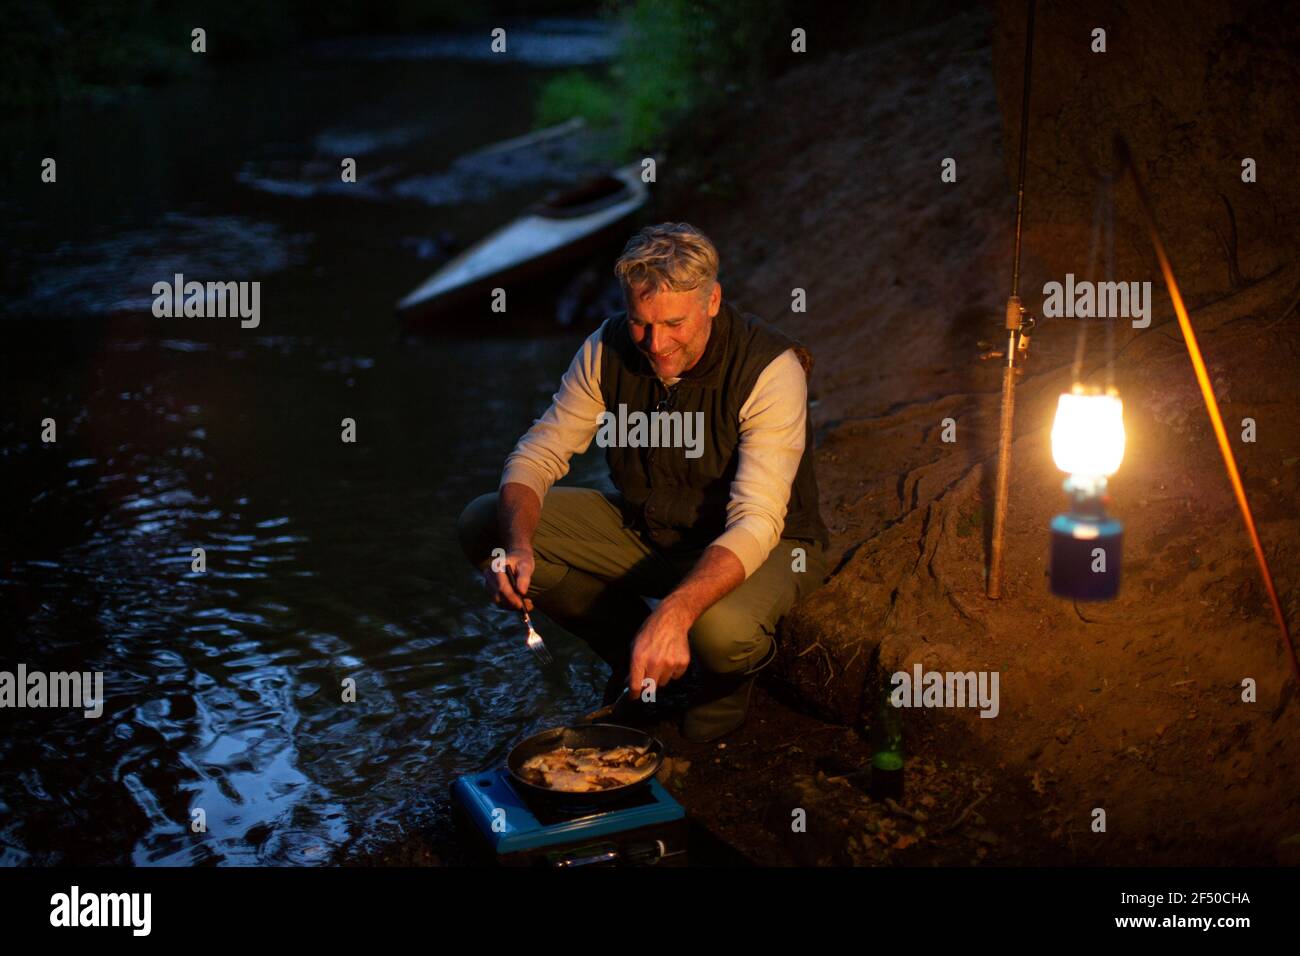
column 587, row 769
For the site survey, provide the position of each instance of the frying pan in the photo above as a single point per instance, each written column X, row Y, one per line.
column 602, row 736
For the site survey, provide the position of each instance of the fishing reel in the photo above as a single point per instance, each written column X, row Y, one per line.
column 1023, row 324
column 1027, row 325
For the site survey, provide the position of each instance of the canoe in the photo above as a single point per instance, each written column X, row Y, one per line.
column 559, row 230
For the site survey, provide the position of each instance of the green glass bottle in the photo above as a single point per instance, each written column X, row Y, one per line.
column 887, row 750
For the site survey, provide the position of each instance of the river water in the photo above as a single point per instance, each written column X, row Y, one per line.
column 325, row 560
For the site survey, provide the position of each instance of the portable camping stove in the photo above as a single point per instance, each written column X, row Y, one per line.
column 646, row 828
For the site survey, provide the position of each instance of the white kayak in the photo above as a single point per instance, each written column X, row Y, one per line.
column 560, row 229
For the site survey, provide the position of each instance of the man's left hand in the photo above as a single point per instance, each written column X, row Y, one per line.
column 662, row 649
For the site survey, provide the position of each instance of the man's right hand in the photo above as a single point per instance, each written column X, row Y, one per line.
column 520, row 561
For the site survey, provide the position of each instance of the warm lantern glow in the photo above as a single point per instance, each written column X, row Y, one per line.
column 1088, row 434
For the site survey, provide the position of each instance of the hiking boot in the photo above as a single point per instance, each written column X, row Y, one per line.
column 722, row 703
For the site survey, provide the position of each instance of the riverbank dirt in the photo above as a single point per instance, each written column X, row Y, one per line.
column 827, row 180
column 1134, row 706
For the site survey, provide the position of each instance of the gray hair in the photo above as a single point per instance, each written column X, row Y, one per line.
column 672, row 256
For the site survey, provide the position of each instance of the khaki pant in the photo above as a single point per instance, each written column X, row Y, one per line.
column 592, row 572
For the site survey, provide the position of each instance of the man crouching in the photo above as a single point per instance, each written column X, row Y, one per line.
column 723, row 527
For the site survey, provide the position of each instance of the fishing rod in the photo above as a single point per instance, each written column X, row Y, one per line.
column 1127, row 164
column 1017, row 325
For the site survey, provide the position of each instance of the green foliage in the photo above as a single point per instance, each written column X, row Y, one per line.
column 55, row 50
column 50, row 51
column 575, row 93
column 677, row 58
column 658, row 70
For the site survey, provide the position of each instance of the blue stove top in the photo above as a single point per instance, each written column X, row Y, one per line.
column 510, row 825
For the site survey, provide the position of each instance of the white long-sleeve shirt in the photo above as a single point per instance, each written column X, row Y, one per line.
column 773, row 422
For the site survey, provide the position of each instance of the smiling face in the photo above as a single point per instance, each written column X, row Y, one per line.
column 672, row 328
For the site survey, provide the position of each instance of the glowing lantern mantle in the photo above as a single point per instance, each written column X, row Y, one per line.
column 1088, row 434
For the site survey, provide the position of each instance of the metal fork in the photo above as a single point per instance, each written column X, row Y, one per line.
column 534, row 639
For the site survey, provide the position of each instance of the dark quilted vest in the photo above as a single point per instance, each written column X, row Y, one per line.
column 679, row 501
